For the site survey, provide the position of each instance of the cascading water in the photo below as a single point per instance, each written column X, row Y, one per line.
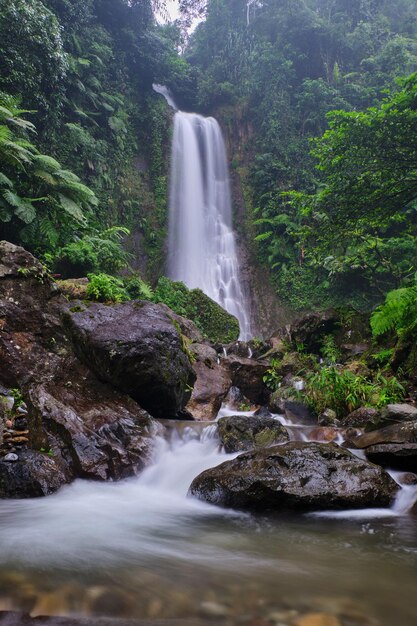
column 142, row 549
column 202, row 247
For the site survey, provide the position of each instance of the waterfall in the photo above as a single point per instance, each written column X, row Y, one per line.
column 202, row 246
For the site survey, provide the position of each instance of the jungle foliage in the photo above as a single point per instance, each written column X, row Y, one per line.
column 273, row 71
column 83, row 138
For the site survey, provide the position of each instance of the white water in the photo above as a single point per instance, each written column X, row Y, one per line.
column 104, row 522
column 201, row 246
column 163, row 91
column 144, row 540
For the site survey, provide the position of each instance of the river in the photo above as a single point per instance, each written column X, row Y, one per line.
column 142, row 548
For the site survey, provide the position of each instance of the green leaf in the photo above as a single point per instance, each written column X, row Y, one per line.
column 72, row 208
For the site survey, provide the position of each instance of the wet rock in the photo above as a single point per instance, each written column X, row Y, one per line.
column 32, row 474
column 409, row 479
column 247, row 375
column 405, row 432
column 135, row 347
column 297, row 412
column 296, row 475
column 20, row 423
column 310, row 329
column 240, row 349
column 210, row 389
column 187, row 327
column 396, row 456
column 322, row 434
column 361, row 417
column 10, row 458
column 246, row 432
column 328, row 418
column 237, row 401
column 93, row 431
column 204, row 353
column 263, row 411
column 89, row 429
column 398, row 413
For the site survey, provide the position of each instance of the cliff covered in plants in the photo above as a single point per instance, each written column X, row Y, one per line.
column 332, row 218
column 83, row 139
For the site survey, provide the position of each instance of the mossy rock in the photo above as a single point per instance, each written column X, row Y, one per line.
column 217, row 324
column 213, row 321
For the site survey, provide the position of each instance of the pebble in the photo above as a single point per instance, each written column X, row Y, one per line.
column 11, row 457
column 279, row 617
column 20, row 439
column 213, row 609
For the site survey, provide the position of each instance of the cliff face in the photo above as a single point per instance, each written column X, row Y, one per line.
column 267, row 310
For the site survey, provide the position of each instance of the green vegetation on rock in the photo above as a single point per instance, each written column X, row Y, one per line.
column 213, row 321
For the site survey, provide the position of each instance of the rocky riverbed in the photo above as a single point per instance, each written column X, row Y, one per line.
column 82, row 389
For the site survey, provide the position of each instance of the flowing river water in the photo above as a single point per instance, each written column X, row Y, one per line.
column 141, row 548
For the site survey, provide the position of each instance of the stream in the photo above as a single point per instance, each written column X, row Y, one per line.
column 141, row 548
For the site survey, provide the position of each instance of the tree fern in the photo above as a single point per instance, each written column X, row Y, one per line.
column 22, row 207
column 398, row 313
column 72, row 208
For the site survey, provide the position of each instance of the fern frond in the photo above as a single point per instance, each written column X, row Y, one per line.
column 47, row 177
column 23, row 207
column 264, row 236
column 46, row 162
column 392, row 314
column 71, row 207
column 48, row 231
column 6, row 182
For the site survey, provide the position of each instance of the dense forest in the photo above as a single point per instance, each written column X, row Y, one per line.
column 277, row 69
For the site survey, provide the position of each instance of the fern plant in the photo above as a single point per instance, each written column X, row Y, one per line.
column 398, row 313
column 94, row 252
column 43, row 201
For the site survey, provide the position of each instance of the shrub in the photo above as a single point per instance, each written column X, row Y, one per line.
column 106, row 288
column 138, row 289
column 344, row 392
column 95, row 252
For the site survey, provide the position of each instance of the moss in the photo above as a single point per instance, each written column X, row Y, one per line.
column 213, row 321
column 216, row 323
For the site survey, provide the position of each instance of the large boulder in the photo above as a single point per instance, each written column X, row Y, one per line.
column 247, row 375
column 395, row 456
column 364, row 416
column 136, row 347
column 405, row 432
column 212, row 384
column 84, row 427
column 296, row 475
column 246, row 432
column 92, row 430
column 29, row 474
column 400, row 412
column 310, row 330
